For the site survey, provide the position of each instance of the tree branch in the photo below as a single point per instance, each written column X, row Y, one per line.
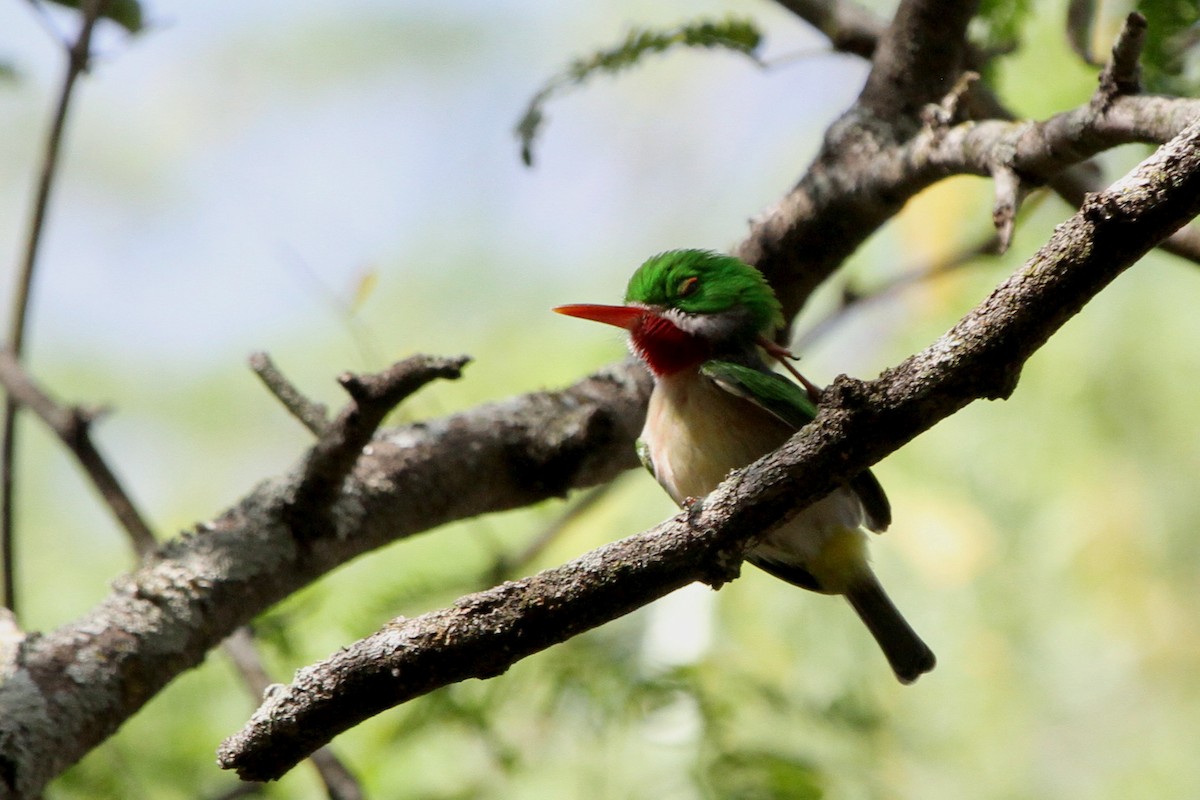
column 481, row 635
column 78, row 58
column 338, row 449
column 72, row 425
column 919, row 56
column 161, row 619
column 64, row 692
column 796, row 252
column 842, row 20
column 313, row 416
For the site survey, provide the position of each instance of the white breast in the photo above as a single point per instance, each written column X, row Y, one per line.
column 696, row 433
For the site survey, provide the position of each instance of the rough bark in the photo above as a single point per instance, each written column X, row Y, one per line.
column 65, row 691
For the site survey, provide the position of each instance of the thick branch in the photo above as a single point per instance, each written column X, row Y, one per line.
column 848, row 204
column 64, row 692
column 919, row 57
column 800, row 242
column 859, row 423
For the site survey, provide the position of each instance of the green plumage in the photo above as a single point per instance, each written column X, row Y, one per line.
column 720, row 283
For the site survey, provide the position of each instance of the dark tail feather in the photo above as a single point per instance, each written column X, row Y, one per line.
column 909, row 656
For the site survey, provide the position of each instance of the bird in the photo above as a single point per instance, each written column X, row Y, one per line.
column 702, row 322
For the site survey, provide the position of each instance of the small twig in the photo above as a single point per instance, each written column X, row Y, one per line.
column 72, row 426
column 78, row 56
column 340, row 783
column 852, row 300
column 954, row 107
column 1008, row 193
column 372, row 398
column 1123, row 72
column 311, row 415
column 1081, row 21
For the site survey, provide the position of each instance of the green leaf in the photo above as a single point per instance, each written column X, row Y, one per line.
column 738, row 35
column 126, row 13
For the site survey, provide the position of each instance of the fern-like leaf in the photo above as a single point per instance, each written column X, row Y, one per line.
column 738, row 35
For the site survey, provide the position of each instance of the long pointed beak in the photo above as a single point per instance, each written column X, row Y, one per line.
column 622, row 316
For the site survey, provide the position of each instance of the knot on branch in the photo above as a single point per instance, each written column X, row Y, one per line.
column 845, row 394
column 723, row 561
column 954, row 108
column 1099, row 206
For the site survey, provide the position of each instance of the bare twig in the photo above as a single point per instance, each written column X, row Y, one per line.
column 1123, row 72
column 341, row 444
column 852, row 299
column 78, row 57
column 311, row 415
column 72, row 426
column 859, row 423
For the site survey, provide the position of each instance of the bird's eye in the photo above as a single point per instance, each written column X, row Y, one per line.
column 688, row 286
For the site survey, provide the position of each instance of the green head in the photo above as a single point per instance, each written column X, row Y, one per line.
column 700, row 283
column 684, row 307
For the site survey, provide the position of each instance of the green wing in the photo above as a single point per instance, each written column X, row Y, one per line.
column 771, row 392
column 790, row 403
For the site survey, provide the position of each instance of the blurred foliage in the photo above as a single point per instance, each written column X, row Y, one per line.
column 1171, row 62
column 738, row 35
column 126, row 13
column 997, row 27
column 1044, row 546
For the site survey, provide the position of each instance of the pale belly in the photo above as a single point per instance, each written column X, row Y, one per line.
column 696, row 433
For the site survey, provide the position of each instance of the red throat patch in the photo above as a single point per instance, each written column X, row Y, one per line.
column 665, row 347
